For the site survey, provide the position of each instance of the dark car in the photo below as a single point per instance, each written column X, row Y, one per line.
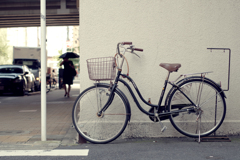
column 16, row 79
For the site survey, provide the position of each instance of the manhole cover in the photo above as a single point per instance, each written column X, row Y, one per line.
column 10, row 132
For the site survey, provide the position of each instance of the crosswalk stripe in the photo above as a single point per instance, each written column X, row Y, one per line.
column 59, row 152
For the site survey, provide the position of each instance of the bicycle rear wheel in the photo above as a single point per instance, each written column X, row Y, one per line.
column 202, row 121
column 104, row 128
column 48, row 87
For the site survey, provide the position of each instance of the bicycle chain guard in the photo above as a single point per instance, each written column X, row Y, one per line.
column 155, row 119
column 162, row 118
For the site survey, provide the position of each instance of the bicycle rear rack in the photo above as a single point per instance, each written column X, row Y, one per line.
column 191, row 74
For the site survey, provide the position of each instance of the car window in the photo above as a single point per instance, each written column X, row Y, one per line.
column 11, row 70
column 17, row 70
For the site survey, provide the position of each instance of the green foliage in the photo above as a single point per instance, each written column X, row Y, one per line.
column 59, row 59
column 70, row 49
column 75, row 61
column 3, row 44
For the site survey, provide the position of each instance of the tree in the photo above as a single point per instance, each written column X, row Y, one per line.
column 74, row 60
column 59, row 59
column 3, row 45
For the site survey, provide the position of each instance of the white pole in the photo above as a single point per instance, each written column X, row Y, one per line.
column 43, row 72
column 78, row 1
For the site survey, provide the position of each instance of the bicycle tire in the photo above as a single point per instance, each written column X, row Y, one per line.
column 211, row 102
column 104, row 128
column 48, row 88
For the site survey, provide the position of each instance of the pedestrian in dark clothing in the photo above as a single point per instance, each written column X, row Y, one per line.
column 67, row 75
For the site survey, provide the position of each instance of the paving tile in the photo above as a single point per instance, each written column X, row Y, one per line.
column 59, row 119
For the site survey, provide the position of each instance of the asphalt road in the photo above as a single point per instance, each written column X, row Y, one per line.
column 145, row 149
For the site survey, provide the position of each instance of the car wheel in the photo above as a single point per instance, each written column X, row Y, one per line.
column 39, row 87
column 33, row 88
column 22, row 91
column 36, row 87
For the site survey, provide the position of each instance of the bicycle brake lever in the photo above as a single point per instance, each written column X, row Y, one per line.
column 136, row 54
column 132, row 49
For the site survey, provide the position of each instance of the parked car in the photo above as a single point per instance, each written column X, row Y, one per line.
column 16, row 79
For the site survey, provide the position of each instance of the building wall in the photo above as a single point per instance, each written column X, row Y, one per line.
column 75, row 38
column 169, row 31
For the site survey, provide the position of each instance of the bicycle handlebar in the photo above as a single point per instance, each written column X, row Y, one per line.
column 138, row 49
column 131, row 47
column 126, row 43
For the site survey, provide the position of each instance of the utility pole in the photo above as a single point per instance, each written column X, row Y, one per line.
column 43, row 72
column 26, row 38
column 38, row 40
column 67, row 33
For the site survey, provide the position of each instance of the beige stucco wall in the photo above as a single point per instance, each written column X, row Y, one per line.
column 168, row 31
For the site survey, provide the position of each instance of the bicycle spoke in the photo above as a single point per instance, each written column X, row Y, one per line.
column 99, row 128
column 206, row 116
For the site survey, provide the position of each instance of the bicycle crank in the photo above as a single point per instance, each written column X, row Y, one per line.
column 162, row 117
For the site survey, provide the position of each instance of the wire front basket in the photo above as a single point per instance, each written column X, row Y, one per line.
column 101, row 69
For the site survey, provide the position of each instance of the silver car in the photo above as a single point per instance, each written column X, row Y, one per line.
column 16, row 79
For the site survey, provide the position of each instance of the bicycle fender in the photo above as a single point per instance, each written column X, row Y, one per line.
column 207, row 79
column 122, row 96
column 189, row 78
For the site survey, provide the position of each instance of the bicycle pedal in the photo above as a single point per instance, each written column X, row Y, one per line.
column 163, row 129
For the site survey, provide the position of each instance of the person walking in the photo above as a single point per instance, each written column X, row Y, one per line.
column 67, row 75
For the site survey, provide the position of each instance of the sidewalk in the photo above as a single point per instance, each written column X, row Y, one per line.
column 21, row 123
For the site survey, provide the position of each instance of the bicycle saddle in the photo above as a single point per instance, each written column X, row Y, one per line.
column 171, row 67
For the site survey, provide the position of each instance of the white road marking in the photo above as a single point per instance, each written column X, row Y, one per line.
column 59, row 152
column 55, row 102
column 28, row 111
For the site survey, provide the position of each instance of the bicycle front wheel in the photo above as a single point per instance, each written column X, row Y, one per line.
column 48, row 87
column 202, row 120
column 106, row 127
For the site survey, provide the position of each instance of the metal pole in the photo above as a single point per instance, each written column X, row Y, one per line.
column 80, row 138
column 78, row 6
column 43, row 72
column 229, row 61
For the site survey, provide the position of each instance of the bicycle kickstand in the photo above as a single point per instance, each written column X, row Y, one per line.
column 162, row 125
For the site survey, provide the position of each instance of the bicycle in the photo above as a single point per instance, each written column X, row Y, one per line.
column 48, row 83
column 51, row 83
column 195, row 105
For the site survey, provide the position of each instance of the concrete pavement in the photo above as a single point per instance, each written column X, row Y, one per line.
column 20, row 120
column 20, row 125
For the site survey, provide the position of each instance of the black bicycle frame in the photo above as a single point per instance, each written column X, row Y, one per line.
column 111, row 96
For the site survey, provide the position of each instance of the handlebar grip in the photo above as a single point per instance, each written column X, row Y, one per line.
column 128, row 43
column 138, row 49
